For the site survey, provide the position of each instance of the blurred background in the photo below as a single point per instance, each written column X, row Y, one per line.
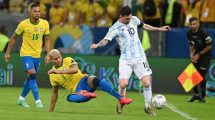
column 76, row 24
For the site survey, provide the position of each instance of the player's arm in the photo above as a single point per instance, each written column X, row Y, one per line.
column 191, row 51
column 102, row 43
column 208, row 42
column 10, row 46
column 152, row 28
column 72, row 70
column 54, row 97
column 47, row 47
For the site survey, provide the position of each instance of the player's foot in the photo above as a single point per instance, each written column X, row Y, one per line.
column 122, row 102
column 192, row 99
column 39, row 105
column 87, row 94
column 149, row 111
column 202, row 100
column 22, row 103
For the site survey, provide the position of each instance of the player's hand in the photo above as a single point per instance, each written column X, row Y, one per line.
column 47, row 59
column 165, row 28
column 52, row 71
column 93, row 46
column 7, row 57
column 195, row 58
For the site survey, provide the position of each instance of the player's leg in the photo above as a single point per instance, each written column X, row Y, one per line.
column 26, row 87
column 196, row 95
column 95, row 82
column 83, row 92
column 143, row 72
column 125, row 70
column 77, row 98
column 33, row 84
column 204, row 66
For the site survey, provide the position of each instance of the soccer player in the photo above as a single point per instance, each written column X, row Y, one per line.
column 200, row 55
column 32, row 30
column 82, row 86
column 132, row 57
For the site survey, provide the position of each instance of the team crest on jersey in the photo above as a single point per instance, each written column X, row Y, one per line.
column 41, row 29
column 35, row 29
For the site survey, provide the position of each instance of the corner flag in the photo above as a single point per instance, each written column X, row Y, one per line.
column 190, row 77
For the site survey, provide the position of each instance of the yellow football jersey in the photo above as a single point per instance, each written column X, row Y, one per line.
column 32, row 36
column 68, row 81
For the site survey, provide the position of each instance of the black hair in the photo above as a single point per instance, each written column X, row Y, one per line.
column 126, row 10
column 193, row 19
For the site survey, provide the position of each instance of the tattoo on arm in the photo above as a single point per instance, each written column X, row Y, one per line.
column 102, row 43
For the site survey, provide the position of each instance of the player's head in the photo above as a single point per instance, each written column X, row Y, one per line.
column 55, row 57
column 35, row 11
column 194, row 23
column 125, row 14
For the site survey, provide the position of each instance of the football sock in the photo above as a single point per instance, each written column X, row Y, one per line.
column 121, row 91
column 104, row 86
column 147, row 93
column 77, row 98
column 33, row 86
column 38, row 101
column 26, row 88
column 21, row 98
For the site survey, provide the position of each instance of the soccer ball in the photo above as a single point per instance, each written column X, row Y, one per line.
column 159, row 101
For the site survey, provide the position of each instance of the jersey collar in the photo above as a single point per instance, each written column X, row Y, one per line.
column 33, row 22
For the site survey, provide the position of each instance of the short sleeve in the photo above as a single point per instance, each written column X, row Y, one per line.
column 189, row 40
column 136, row 20
column 53, row 78
column 69, row 62
column 20, row 29
column 112, row 33
column 207, row 38
column 47, row 31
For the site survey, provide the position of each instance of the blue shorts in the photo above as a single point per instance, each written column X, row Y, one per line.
column 31, row 63
column 84, row 85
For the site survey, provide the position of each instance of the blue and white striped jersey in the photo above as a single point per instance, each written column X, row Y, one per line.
column 127, row 37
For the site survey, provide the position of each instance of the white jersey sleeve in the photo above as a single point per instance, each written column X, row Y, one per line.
column 112, row 33
column 136, row 20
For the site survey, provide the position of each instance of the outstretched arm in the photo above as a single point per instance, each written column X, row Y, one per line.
column 53, row 98
column 103, row 42
column 152, row 28
column 9, row 47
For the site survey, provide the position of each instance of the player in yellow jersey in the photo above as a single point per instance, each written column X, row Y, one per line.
column 82, row 86
column 32, row 30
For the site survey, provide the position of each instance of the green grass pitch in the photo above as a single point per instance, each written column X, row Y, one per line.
column 101, row 108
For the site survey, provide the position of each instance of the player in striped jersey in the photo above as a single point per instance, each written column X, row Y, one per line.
column 132, row 57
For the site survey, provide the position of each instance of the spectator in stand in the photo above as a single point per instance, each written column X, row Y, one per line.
column 90, row 12
column 73, row 9
column 57, row 14
column 172, row 10
column 207, row 17
column 3, row 39
column 191, row 8
column 154, row 20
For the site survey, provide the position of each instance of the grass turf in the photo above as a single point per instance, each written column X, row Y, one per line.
column 101, row 108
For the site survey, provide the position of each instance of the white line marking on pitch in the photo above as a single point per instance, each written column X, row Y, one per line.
column 183, row 114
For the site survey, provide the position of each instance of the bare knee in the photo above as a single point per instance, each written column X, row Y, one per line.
column 31, row 71
column 123, row 83
column 146, row 81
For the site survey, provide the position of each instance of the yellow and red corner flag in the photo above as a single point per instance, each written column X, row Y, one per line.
column 190, row 77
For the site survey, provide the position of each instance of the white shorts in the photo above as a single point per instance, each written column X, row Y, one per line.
column 140, row 67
